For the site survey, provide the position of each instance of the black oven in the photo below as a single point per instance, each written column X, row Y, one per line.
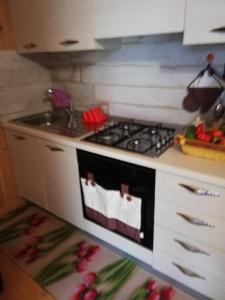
column 118, row 196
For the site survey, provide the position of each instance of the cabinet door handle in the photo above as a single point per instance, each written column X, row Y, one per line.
column 188, row 272
column 29, row 46
column 199, row 191
column 191, row 248
column 195, row 221
column 52, row 148
column 19, row 137
column 219, row 29
column 69, row 42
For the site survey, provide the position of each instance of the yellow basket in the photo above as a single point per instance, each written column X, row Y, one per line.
column 201, row 149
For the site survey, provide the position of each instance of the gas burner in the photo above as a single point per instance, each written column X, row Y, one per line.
column 139, row 145
column 151, row 140
column 109, row 138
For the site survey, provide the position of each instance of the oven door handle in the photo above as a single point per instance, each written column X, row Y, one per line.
column 124, row 189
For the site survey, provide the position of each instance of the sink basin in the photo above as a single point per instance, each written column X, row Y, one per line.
column 46, row 119
column 55, row 122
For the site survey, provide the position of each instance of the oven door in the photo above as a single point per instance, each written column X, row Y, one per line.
column 118, row 196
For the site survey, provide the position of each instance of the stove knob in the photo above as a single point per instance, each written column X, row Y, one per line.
column 158, row 145
column 163, row 141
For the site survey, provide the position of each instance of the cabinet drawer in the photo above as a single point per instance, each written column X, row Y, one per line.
column 196, row 278
column 194, row 225
column 196, row 195
column 197, row 254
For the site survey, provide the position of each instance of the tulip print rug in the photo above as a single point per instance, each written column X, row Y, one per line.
column 72, row 266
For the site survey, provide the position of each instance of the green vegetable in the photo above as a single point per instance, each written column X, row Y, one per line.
column 191, row 133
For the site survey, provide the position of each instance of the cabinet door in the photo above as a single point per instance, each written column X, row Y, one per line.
column 26, row 164
column 53, row 25
column 61, row 181
column 134, row 17
column 29, row 20
column 70, row 25
column 8, row 193
column 6, row 36
column 204, row 22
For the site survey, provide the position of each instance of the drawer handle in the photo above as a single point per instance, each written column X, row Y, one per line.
column 195, row 221
column 29, row 46
column 188, row 272
column 69, row 42
column 19, row 137
column 199, row 191
column 55, row 149
column 191, row 248
column 219, row 29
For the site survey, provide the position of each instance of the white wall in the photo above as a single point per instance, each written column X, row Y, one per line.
column 145, row 79
column 23, row 81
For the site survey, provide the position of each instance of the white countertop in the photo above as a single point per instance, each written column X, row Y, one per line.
column 172, row 161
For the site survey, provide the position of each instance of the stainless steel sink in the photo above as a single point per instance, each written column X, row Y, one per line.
column 45, row 119
column 56, row 122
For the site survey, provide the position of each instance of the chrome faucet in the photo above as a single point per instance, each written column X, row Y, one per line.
column 62, row 99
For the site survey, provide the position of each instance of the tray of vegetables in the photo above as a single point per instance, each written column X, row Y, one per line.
column 203, row 139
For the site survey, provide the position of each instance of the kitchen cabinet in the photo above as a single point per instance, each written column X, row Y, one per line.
column 6, row 35
column 17, row 285
column 132, row 17
column 53, row 25
column 8, row 192
column 47, row 174
column 189, row 243
column 204, row 22
column 26, row 166
column 61, row 181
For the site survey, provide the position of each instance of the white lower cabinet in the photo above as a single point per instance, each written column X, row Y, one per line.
column 47, row 174
column 61, row 181
column 190, row 250
column 26, row 165
column 189, row 233
column 190, row 223
column 194, row 277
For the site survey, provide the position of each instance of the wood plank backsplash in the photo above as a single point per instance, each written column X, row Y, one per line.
column 145, row 79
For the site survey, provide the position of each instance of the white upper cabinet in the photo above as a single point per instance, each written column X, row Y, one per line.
column 205, row 22
column 138, row 17
column 53, row 25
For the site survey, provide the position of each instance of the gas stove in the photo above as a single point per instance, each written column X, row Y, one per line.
column 151, row 140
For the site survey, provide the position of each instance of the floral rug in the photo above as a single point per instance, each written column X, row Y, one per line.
column 72, row 266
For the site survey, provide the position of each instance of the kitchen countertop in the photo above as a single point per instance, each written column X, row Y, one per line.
column 172, row 161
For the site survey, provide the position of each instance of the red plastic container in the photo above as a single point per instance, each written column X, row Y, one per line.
column 94, row 115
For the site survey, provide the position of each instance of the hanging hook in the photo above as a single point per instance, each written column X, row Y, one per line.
column 210, row 57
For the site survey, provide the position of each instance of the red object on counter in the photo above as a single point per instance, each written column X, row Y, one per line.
column 94, row 115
